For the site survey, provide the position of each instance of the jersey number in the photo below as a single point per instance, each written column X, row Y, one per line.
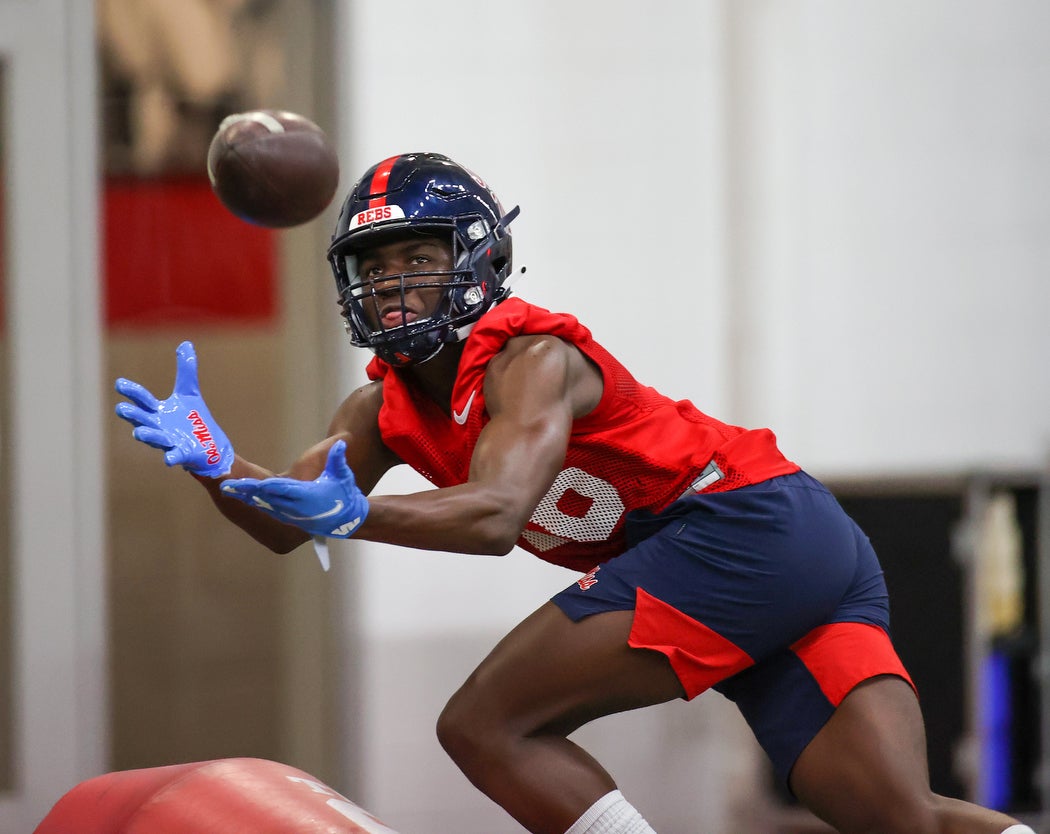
column 578, row 507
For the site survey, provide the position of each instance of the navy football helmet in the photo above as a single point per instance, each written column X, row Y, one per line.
column 431, row 194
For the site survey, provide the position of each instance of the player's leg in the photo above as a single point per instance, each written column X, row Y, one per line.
column 866, row 770
column 506, row 727
column 714, row 589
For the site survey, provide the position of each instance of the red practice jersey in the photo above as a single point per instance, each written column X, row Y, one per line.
column 637, row 450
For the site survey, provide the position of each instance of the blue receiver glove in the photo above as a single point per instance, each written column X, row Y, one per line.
column 330, row 506
column 181, row 425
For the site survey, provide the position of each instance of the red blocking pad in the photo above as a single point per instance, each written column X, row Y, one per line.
column 225, row 796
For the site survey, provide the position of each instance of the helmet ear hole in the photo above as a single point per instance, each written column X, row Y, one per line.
column 471, row 297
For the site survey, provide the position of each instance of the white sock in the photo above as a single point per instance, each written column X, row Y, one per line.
column 612, row 814
column 1018, row 829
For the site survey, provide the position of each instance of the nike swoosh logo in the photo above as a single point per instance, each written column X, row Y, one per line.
column 461, row 417
column 334, row 511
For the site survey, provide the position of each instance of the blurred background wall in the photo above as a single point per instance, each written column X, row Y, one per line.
column 828, row 218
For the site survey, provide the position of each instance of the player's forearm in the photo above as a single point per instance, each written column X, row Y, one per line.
column 461, row 519
column 278, row 537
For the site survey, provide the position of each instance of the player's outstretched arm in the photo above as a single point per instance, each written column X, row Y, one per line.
column 323, row 493
column 283, row 511
column 182, row 427
column 272, row 534
column 533, row 391
column 331, row 505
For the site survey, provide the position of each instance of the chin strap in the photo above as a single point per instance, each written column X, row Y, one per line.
column 510, row 281
column 507, row 218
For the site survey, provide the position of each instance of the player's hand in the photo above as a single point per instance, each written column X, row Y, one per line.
column 332, row 505
column 181, row 426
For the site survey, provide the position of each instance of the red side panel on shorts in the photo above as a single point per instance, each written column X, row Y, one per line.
column 842, row 655
column 699, row 656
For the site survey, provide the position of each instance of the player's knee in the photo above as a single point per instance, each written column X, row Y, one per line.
column 475, row 731
column 450, row 729
column 457, row 733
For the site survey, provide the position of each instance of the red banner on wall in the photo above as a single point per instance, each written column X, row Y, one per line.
column 172, row 254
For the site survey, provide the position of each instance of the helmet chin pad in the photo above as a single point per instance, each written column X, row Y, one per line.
column 414, row 351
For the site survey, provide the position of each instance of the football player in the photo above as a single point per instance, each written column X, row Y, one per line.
column 707, row 559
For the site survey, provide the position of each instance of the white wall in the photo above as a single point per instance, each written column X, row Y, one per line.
column 824, row 217
column 889, row 202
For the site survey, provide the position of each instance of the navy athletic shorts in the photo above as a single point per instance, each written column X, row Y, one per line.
column 770, row 594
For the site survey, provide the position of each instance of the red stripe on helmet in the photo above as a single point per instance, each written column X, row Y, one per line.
column 379, row 181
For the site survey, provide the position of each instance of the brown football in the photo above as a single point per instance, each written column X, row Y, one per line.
column 272, row 167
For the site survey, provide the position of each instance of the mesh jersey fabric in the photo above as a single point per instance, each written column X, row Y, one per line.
column 637, row 450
